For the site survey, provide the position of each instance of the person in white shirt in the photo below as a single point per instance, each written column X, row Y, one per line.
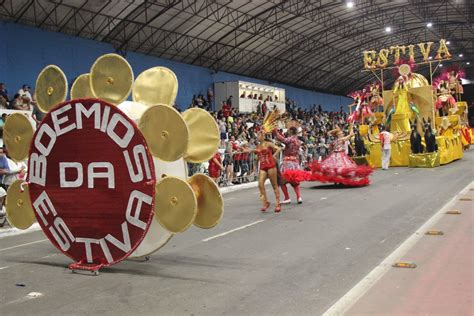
column 25, row 91
column 17, row 172
column 385, row 142
column 3, row 214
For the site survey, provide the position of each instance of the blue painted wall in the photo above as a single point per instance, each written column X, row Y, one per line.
column 26, row 50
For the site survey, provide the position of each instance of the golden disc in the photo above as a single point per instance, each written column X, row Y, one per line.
column 51, row 88
column 111, row 78
column 81, row 88
column 203, row 135
column 165, row 132
column 404, row 69
column 18, row 206
column 175, row 204
column 17, row 135
column 210, row 203
column 157, row 85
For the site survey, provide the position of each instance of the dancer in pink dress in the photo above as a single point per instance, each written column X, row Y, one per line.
column 338, row 167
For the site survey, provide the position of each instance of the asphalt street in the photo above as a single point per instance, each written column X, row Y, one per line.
column 300, row 261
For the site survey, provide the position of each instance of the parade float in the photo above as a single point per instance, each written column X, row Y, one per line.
column 107, row 177
column 427, row 118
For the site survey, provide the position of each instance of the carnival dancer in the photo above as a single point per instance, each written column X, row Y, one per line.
column 290, row 169
column 363, row 107
column 338, row 167
column 445, row 101
column 266, row 152
column 376, row 100
column 215, row 167
column 454, row 81
column 354, row 117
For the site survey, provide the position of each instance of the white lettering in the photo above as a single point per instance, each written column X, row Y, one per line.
column 105, row 250
column 64, row 232
column 45, row 128
column 138, row 150
column 81, row 110
column 105, row 119
column 63, row 183
column 44, row 205
column 38, row 169
column 121, row 141
column 134, row 218
column 87, row 244
column 58, row 121
column 125, row 246
column 92, row 174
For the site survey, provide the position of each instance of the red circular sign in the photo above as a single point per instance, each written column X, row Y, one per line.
column 91, row 181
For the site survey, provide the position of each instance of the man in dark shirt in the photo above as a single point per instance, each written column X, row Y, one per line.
column 4, row 92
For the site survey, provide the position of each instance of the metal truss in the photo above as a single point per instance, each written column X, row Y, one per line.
column 313, row 44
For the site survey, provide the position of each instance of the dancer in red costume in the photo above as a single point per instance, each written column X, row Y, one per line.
column 268, row 170
column 338, row 167
column 290, row 167
column 215, row 167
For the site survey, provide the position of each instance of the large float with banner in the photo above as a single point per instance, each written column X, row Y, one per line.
column 427, row 118
column 107, row 177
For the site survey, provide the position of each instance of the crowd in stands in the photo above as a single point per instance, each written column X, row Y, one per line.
column 22, row 100
column 235, row 162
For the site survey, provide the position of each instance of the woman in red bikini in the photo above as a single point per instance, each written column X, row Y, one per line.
column 266, row 152
column 215, row 167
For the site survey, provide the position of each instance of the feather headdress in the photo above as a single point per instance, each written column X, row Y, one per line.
column 270, row 121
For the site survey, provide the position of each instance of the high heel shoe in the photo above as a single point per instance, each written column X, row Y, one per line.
column 278, row 208
column 266, row 205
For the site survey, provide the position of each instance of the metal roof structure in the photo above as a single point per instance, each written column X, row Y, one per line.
column 315, row 45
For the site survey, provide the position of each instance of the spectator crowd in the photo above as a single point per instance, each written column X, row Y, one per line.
column 235, row 163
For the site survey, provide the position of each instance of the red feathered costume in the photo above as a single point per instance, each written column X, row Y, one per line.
column 290, row 167
column 339, row 168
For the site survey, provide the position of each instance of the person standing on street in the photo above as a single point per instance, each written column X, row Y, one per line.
column 385, row 142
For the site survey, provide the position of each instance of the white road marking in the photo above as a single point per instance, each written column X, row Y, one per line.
column 22, row 245
column 233, row 230
column 5, row 267
column 232, row 198
column 34, row 295
column 30, row 296
column 15, row 231
column 350, row 298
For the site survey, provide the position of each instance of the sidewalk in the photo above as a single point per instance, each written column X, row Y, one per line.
column 443, row 281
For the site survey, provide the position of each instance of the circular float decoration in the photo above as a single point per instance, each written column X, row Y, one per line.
column 176, row 204
column 404, row 69
column 18, row 206
column 157, row 85
column 165, row 132
column 51, row 87
column 111, row 78
column 203, row 135
column 81, row 88
column 210, row 204
column 91, row 182
column 157, row 235
column 17, row 135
